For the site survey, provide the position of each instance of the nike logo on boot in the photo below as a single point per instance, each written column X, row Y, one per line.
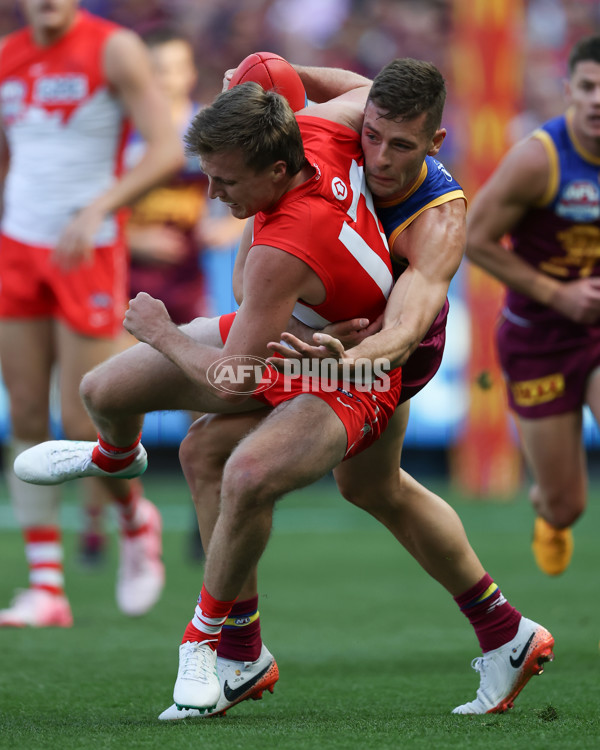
column 233, row 694
column 516, row 663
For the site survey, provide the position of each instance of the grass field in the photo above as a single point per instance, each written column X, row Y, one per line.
column 372, row 653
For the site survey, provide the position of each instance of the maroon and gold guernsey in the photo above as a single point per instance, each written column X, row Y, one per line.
column 547, row 358
column 561, row 236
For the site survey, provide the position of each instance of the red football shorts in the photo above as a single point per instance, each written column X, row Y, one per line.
column 364, row 414
column 91, row 299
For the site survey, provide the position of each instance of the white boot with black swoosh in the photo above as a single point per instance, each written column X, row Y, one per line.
column 506, row 670
column 240, row 680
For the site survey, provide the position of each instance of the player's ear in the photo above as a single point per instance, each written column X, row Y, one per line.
column 279, row 169
column 436, row 142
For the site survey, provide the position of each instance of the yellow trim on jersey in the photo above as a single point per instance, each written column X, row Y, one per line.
column 550, row 147
column 232, row 621
column 446, row 198
column 416, row 186
column 581, row 150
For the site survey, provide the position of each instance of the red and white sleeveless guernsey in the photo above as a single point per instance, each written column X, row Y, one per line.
column 329, row 222
column 65, row 130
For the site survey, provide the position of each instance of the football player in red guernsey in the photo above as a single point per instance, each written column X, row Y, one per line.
column 69, row 82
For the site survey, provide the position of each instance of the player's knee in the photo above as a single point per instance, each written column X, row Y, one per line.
column 248, row 484
column 560, row 507
column 564, row 516
column 29, row 421
column 90, row 391
column 201, row 453
column 353, row 493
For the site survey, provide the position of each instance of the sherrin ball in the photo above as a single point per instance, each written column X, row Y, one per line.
column 271, row 71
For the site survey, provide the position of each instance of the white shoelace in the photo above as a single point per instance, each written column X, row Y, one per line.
column 197, row 662
column 78, row 456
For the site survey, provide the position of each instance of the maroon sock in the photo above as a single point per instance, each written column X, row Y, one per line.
column 495, row 621
column 240, row 637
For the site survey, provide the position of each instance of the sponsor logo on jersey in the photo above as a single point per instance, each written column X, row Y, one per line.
column 61, row 89
column 339, row 188
column 579, row 201
column 538, row 391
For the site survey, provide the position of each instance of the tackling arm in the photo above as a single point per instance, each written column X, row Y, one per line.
column 434, row 246
column 323, row 84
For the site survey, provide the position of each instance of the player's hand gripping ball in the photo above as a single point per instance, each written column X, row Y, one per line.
column 272, row 72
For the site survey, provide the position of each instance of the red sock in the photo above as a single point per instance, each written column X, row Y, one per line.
column 240, row 638
column 132, row 522
column 495, row 621
column 210, row 614
column 44, row 554
column 112, row 457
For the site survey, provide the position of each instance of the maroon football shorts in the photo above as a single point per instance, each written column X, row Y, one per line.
column 547, row 364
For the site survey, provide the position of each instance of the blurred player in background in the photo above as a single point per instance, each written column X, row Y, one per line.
column 545, row 196
column 68, row 84
column 169, row 228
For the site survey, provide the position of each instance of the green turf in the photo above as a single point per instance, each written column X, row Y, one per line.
column 372, row 653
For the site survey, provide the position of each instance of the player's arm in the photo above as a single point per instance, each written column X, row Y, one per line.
column 4, row 156
column 4, row 162
column 519, row 181
column 273, row 281
column 127, row 68
column 434, row 246
column 237, row 280
column 339, row 95
column 323, row 84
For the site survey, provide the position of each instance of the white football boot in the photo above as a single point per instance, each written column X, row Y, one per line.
column 506, row 670
column 37, row 608
column 240, row 681
column 197, row 685
column 57, row 461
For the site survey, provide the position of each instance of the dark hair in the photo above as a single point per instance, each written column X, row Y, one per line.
column 163, row 35
column 406, row 88
column 259, row 123
column 585, row 49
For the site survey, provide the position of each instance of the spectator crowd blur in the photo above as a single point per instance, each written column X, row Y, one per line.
column 361, row 35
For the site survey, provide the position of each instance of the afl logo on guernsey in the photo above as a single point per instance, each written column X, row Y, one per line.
column 339, row 188
column 579, row 201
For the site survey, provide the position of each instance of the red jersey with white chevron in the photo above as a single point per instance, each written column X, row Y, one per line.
column 330, row 223
column 65, row 130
